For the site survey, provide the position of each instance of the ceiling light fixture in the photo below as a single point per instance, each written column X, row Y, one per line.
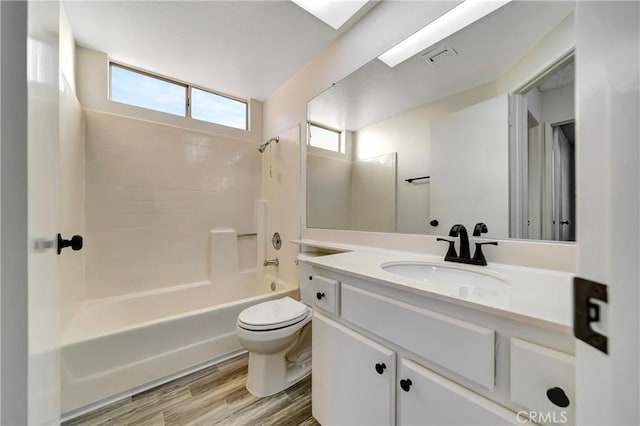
column 451, row 22
column 332, row 12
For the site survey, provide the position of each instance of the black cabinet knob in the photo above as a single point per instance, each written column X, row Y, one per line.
column 310, row 277
column 405, row 384
column 76, row 242
column 319, row 295
column 380, row 367
column 558, row 397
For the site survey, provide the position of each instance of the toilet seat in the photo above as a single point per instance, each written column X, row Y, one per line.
column 273, row 314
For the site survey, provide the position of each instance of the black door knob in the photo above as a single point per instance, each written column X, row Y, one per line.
column 405, row 384
column 319, row 295
column 75, row 243
column 558, row 397
column 380, row 367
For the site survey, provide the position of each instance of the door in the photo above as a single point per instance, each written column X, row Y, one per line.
column 560, row 172
column 42, row 146
column 470, row 167
column 608, row 107
column 426, row 398
column 353, row 377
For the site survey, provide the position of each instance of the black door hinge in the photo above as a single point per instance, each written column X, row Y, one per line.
column 585, row 312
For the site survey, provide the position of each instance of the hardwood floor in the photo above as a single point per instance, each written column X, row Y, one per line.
column 213, row 396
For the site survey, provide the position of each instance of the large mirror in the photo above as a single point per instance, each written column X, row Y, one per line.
column 478, row 127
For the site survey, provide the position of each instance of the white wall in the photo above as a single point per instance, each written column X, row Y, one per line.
column 281, row 188
column 71, row 179
column 373, row 193
column 329, row 180
column 154, row 192
column 558, row 104
column 408, row 135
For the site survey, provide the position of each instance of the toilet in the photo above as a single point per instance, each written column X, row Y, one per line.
column 277, row 335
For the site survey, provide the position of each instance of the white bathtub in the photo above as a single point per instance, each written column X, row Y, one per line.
column 115, row 345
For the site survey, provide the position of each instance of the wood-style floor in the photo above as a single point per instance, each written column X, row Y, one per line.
column 213, row 396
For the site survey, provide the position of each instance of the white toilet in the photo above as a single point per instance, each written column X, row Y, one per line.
column 277, row 335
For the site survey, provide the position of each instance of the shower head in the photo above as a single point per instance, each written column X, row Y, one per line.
column 264, row 146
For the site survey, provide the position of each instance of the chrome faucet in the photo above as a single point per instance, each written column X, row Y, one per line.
column 272, row 262
column 465, row 254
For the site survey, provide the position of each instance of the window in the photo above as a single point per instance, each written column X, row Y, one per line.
column 207, row 106
column 325, row 138
column 142, row 90
column 145, row 90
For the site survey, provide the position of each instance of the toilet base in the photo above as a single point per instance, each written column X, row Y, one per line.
column 272, row 373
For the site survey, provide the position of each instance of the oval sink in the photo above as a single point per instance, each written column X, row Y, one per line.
column 438, row 274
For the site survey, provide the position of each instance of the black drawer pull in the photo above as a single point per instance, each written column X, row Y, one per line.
column 319, row 295
column 558, row 397
column 380, row 367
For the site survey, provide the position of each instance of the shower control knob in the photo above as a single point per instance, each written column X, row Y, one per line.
column 319, row 295
column 76, row 242
column 380, row 367
column 405, row 384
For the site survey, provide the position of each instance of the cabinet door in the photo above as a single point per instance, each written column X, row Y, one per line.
column 431, row 399
column 347, row 386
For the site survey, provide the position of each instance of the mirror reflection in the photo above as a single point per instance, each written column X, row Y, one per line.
column 478, row 127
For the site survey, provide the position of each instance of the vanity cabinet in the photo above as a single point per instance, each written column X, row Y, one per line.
column 426, row 398
column 353, row 377
column 387, row 357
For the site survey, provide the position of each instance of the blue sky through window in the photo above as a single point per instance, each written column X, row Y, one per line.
column 130, row 87
column 217, row 109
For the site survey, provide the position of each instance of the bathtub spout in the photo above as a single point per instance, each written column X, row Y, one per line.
column 272, row 262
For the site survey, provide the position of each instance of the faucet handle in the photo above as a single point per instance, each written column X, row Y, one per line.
column 480, row 228
column 451, row 253
column 478, row 256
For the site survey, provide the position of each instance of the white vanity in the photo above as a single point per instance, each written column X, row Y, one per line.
column 435, row 343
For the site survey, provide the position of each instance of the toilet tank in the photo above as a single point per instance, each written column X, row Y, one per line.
column 304, row 272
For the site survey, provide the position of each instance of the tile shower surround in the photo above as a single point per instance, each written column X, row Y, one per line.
column 153, row 194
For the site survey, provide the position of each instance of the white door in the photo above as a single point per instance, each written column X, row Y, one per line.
column 470, row 168
column 426, row 398
column 353, row 377
column 608, row 222
column 43, row 122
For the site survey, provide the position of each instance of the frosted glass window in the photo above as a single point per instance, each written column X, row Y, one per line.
column 321, row 137
column 142, row 90
column 218, row 109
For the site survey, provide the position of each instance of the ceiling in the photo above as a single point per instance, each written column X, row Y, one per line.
column 485, row 50
column 243, row 48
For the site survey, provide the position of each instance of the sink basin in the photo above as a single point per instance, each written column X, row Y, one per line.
column 438, row 274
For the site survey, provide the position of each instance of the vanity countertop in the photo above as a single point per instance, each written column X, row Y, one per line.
column 537, row 296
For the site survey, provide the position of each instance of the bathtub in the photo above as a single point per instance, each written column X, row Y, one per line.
column 117, row 345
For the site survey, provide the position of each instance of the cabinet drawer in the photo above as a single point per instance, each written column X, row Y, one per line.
column 432, row 399
column 326, row 294
column 535, row 370
column 459, row 346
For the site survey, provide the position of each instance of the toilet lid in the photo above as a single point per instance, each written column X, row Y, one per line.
column 273, row 314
